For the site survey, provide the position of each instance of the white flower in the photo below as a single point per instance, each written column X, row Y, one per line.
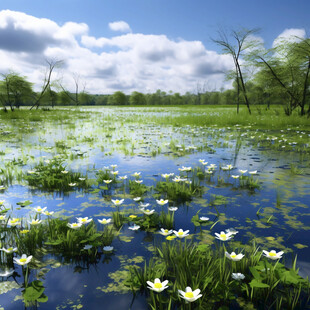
column 253, row 172
column 39, row 209
column 172, row 209
column 224, row 237
column 114, row 172
column 204, row 219
column 117, row 202
column 107, row 181
column 134, row 227
column 113, row 166
column 87, row 247
column 139, row 181
column 273, row 254
column 64, row 171
column 208, row 171
column 24, row 260
column 177, row 179
column 136, row 174
column 137, row 198
column 157, row 286
column 185, row 168
column 104, row 221
column 148, row 212
column 238, row 276
column 180, row 233
column 35, row 222
column 48, row 213
column 2, row 217
column 145, row 205
column 2, row 202
column 233, row 256
column 9, row 250
column 165, row 175
column 123, row 177
column 84, row 220
column 212, row 166
column 242, row 171
column 72, row 184
column 235, row 176
column 165, row 232
column 231, row 231
column 228, row 167
column 162, row 202
column 6, row 272
column 108, row 248
column 82, row 179
column 190, row 295
column 74, row 225
column 14, row 222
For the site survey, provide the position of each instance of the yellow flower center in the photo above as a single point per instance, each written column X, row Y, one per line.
column 14, row 221
column 180, row 233
column 272, row 254
column 166, row 230
column 116, row 201
column 171, row 237
column 223, row 236
column 10, row 249
column 132, row 216
column 104, row 221
column 25, row 231
column 147, row 210
column 75, row 224
column 158, row 285
column 83, row 220
column 189, row 295
column 233, row 255
column 23, row 260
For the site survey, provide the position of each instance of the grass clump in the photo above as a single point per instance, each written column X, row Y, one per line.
column 265, row 285
column 52, row 175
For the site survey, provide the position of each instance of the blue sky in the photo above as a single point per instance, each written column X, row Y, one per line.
column 155, row 29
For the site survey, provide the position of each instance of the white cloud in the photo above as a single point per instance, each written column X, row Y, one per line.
column 292, row 35
column 128, row 62
column 120, row 26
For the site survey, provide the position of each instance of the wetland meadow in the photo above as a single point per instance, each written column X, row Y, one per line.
column 192, row 207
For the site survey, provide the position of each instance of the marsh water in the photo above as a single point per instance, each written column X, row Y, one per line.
column 275, row 213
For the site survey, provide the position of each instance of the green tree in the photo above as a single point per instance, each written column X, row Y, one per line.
column 118, row 98
column 15, row 90
column 137, row 98
column 63, row 99
column 287, row 68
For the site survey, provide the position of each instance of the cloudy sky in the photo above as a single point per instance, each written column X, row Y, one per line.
column 136, row 45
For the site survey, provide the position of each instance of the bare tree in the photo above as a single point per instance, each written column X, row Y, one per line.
column 51, row 65
column 76, row 96
column 240, row 38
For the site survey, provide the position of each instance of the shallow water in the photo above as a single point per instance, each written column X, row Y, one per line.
column 114, row 136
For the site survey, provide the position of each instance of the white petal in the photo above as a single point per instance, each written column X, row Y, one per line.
column 196, row 292
column 150, row 283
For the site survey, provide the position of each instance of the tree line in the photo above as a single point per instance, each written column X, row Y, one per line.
column 279, row 75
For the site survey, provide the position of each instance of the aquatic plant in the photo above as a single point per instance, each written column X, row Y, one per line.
column 52, row 175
